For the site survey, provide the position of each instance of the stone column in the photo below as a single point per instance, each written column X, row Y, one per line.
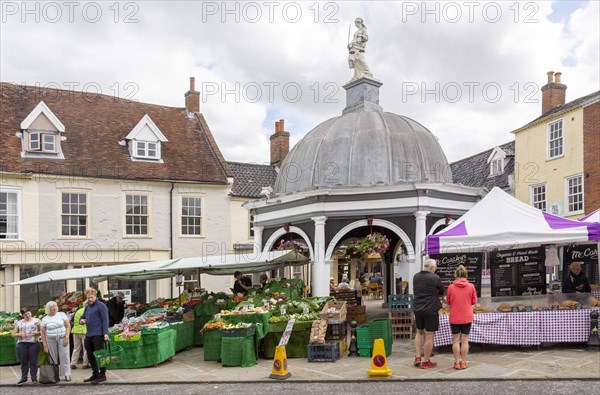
column 420, row 234
column 258, row 231
column 320, row 275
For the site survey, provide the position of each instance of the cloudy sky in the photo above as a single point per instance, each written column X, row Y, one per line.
column 468, row 71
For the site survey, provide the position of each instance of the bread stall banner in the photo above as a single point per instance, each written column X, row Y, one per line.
column 447, row 264
column 586, row 253
column 518, row 272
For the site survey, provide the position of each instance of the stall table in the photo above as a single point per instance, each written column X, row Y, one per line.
column 526, row 328
column 8, row 355
column 150, row 350
column 185, row 335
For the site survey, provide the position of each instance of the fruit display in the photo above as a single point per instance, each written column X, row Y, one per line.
column 7, row 321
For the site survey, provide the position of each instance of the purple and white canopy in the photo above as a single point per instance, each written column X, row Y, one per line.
column 501, row 221
column 592, row 217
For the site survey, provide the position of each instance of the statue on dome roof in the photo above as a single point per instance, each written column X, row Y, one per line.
column 356, row 49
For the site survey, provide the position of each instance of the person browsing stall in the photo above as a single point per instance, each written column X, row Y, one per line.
column 575, row 281
column 95, row 318
column 78, row 333
column 263, row 280
column 116, row 309
column 27, row 331
column 461, row 297
column 427, row 288
column 56, row 329
column 242, row 283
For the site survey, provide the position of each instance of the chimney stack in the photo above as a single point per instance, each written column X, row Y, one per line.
column 553, row 93
column 280, row 143
column 192, row 97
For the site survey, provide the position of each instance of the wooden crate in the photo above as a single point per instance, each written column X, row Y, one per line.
column 358, row 314
column 334, row 318
column 347, row 295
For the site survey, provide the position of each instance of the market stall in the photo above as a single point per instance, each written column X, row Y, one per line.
column 8, row 343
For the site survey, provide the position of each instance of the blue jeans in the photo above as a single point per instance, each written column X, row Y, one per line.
column 28, row 355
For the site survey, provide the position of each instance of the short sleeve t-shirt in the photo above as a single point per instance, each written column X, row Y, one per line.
column 55, row 325
column 28, row 328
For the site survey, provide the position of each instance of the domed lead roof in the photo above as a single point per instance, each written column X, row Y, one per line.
column 361, row 149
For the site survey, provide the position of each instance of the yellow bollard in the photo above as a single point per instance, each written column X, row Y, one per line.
column 280, row 365
column 379, row 366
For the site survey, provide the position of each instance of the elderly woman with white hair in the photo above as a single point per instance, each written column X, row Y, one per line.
column 56, row 329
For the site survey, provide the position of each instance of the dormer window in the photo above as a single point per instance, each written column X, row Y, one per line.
column 145, row 140
column 496, row 162
column 41, row 134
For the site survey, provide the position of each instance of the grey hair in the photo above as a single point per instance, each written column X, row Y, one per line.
column 50, row 304
column 429, row 263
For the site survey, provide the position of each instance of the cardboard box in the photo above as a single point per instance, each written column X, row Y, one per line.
column 358, row 314
column 189, row 316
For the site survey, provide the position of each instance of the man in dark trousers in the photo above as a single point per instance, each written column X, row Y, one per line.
column 116, row 308
column 95, row 317
column 575, row 281
column 427, row 290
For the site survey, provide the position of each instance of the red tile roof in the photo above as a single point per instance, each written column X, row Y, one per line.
column 95, row 123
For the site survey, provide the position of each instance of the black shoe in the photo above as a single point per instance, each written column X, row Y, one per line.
column 22, row 381
column 34, row 381
column 90, row 379
column 99, row 380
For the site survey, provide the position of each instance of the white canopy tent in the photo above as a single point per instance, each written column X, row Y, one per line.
column 500, row 221
column 216, row 265
column 592, row 217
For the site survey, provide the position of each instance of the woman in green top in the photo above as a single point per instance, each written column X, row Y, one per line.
column 79, row 332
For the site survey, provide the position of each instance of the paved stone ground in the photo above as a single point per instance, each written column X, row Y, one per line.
column 485, row 362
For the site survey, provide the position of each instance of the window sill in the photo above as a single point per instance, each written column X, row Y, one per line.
column 12, row 240
column 192, row 236
column 568, row 214
column 74, row 237
column 554, row 157
column 137, row 236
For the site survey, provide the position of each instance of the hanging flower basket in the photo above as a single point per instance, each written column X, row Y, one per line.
column 294, row 245
column 374, row 243
column 353, row 252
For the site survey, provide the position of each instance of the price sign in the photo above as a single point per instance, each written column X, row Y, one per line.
column 287, row 333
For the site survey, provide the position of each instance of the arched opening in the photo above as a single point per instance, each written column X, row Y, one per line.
column 343, row 263
column 295, row 235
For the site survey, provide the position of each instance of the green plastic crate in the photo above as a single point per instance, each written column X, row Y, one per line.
column 381, row 328
column 364, row 352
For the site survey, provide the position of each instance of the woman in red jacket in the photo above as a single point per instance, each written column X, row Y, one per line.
column 461, row 297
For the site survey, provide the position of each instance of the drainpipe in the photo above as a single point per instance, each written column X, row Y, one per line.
column 171, row 227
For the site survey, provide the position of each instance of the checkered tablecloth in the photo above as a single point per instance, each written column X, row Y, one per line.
column 496, row 328
column 565, row 326
column 531, row 328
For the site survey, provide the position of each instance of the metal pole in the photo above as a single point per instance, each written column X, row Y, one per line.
column 37, row 287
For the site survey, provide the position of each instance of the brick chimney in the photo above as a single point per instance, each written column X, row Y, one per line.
column 553, row 93
column 280, row 143
column 192, row 97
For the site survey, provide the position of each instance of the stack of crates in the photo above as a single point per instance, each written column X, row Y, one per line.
column 401, row 316
column 362, row 341
column 338, row 333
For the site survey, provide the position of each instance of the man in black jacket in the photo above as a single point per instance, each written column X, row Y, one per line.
column 116, row 308
column 427, row 289
column 575, row 280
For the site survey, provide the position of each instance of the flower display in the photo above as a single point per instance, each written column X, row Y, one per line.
column 294, row 245
column 374, row 243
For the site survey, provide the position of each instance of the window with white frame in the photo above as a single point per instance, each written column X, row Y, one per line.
column 136, row 215
column 191, row 216
column 555, row 139
column 41, row 142
column 251, row 220
column 9, row 215
column 538, row 196
column 496, row 167
column 147, row 150
column 74, row 214
column 574, row 189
